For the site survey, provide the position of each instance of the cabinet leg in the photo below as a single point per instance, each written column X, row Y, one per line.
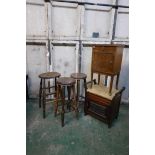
column 98, row 78
column 40, row 93
column 117, row 80
column 111, row 84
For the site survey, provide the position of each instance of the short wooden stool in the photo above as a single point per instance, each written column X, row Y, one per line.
column 42, row 91
column 78, row 77
column 62, row 83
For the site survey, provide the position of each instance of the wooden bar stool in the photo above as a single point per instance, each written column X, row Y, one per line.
column 62, row 83
column 42, row 91
column 78, row 77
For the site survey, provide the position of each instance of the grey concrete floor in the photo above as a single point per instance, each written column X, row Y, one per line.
column 85, row 136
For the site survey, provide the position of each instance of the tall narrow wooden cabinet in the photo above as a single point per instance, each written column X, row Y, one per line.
column 107, row 59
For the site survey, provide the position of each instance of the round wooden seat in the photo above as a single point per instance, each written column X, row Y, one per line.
column 66, row 81
column 78, row 76
column 49, row 75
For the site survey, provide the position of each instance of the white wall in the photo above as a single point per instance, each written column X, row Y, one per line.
column 36, row 63
column 61, row 25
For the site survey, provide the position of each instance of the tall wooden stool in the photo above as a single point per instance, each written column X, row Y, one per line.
column 78, row 77
column 62, row 83
column 42, row 91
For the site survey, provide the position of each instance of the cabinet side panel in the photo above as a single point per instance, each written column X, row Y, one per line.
column 118, row 59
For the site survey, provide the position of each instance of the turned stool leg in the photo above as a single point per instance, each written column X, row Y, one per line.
column 49, row 86
column 74, row 101
column 44, row 98
column 68, row 104
column 56, row 101
column 85, row 99
column 85, row 87
column 55, row 79
column 55, row 84
column 63, row 102
column 78, row 85
column 111, row 83
column 85, row 106
column 40, row 93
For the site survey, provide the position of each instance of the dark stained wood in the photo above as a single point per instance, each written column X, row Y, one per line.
column 78, row 76
column 78, row 87
column 62, row 83
column 66, row 81
column 56, row 101
column 100, row 100
column 111, row 84
column 63, row 104
column 74, row 101
column 42, row 90
column 103, row 108
column 44, row 98
column 69, row 93
column 49, row 75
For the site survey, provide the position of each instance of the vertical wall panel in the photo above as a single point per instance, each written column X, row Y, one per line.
column 86, row 61
column 36, row 21
column 37, row 63
column 64, row 59
column 65, row 20
column 123, row 2
column 122, row 22
column 122, row 25
column 97, row 19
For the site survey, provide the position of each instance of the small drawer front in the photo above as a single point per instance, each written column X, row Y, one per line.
column 97, row 99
